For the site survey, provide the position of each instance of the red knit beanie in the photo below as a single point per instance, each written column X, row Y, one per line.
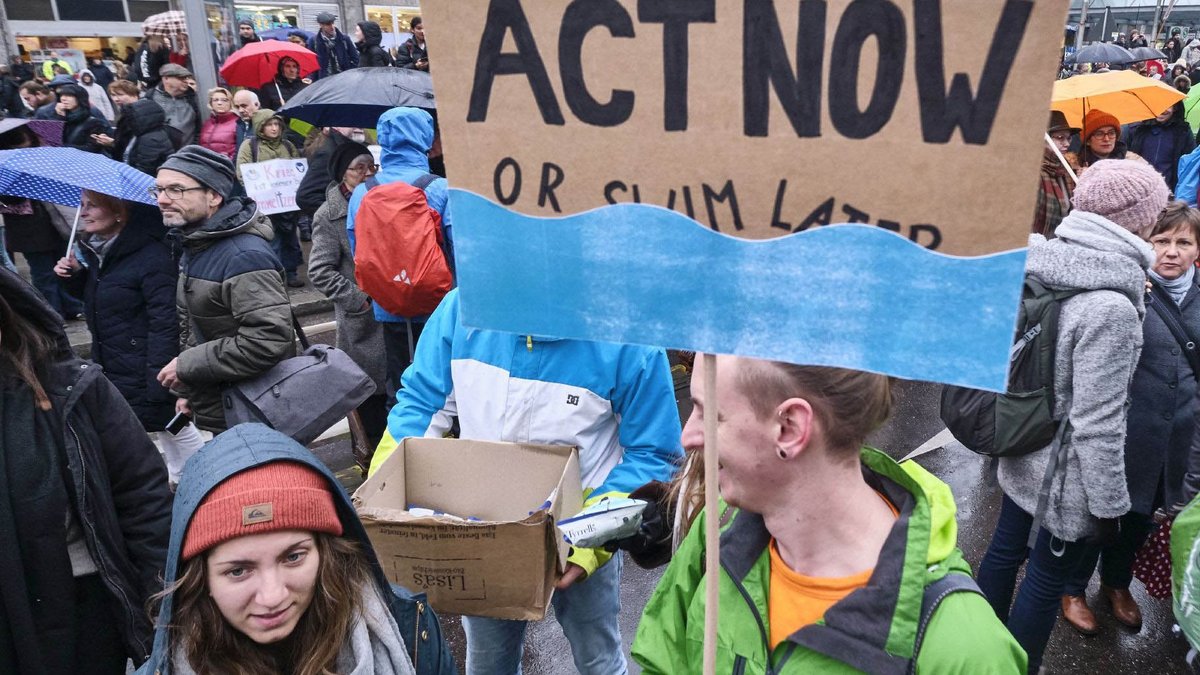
column 1096, row 120
column 267, row 498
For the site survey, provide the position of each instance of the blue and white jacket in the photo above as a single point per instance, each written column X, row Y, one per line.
column 616, row 403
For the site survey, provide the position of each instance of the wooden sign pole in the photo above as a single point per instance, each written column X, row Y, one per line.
column 712, row 517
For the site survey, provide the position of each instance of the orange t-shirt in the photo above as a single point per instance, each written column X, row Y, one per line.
column 796, row 600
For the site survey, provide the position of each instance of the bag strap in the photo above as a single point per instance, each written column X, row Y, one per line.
column 1168, row 311
column 424, row 181
column 254, row 148
column 1057, row 455
column 935, row 593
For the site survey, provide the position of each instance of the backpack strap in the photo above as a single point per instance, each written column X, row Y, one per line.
column 254, row 149
column 424, row 181
column 953, row 582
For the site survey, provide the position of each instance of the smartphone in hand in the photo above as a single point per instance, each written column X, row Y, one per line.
column 177, row 423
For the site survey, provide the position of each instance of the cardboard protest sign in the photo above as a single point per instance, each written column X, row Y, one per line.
column 586, row 140
column 273, row 184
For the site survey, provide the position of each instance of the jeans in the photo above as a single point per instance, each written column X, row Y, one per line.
column 1051, row 562
column 285, row 243
column 399, row 352
column 587, row 613
column 41, row 273
column 1116, row 568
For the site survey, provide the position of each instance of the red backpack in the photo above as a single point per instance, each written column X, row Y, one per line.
column 399, row 252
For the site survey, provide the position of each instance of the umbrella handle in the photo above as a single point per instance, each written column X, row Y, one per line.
column 1063, row 160
column 71, row 239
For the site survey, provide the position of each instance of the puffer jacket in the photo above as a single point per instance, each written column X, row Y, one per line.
column 219, row 134
column 142, row 139
column 129, row 303
column 331, row 271
column 370, row 54
column 260, row 148
column 873, row 630
column 250, row 445
column 405, row 136
column 1099, row 343
column 230, row 290
column 117, row 483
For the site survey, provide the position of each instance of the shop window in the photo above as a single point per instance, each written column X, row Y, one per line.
column 28, row 10
column 140, row 9
column 92, row 10
column 268, row 17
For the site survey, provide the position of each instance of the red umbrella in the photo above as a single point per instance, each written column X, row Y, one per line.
column 258, row 62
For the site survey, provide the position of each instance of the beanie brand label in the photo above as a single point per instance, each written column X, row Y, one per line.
column 258, row 513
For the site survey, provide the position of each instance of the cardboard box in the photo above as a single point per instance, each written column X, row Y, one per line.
column 505, row 564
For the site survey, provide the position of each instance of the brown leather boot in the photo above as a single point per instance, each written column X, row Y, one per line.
column 1077, row 613
column 1124, row 608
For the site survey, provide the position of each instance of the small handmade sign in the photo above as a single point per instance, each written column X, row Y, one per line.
column 273, row 184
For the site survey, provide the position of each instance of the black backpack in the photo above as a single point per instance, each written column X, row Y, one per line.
column 1021, row 420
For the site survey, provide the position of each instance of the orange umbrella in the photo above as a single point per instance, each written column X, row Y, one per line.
column 1124, row 94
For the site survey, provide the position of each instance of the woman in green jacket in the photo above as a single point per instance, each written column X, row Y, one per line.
column 828, row 550
column 269, row 143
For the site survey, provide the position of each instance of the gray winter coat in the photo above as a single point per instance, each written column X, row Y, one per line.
column 1099, row 341
column 331, row 270
column 1161, row 411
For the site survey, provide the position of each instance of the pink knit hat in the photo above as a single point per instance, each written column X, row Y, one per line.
column 1129, row 192
column 267, row 498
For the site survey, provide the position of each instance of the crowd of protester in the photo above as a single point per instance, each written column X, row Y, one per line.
column 185, row 300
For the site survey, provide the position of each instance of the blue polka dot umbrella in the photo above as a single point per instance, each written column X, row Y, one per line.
column 60, row 175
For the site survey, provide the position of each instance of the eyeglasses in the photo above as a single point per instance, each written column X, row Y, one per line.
column 370, row 169
column 1111, row 133
column 173, row 192
column 1061, row 137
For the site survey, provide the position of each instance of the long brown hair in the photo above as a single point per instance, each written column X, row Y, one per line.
column 214, row 647
column 23, row 346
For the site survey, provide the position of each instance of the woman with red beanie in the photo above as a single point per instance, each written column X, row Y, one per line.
column 1101, row 137
column 270, row 571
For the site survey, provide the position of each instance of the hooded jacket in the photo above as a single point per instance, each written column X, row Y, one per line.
column 250, row 445
column 873, row 630
column 276, row 93
column 143, row 141
column 118, row 488
column 98, row 96
column 370, row 54
column 231, row 290
column 129, row 303
column 183, row 112
column 1099, row 343
column 405, row 136
column 267, row 148
column 219, row 134
column 79, row 124
column 1163, row 144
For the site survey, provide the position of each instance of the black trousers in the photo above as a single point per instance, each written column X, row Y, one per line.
column 399, row 349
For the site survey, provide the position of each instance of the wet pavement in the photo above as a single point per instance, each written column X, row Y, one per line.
column 1151, row 651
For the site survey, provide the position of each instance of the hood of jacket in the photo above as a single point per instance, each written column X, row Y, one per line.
column 372, row 34
column 405, row 136
column 26, row 301
column 281, row 78
column 89, row 73
column 142, row 116
column 1092, row 253
column 260, row 119
column 236, row 216
column 243, row 447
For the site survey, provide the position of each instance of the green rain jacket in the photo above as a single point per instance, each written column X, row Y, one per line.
column 874, row 629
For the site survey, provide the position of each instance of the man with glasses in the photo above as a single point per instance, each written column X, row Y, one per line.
column 235, row 312
column 1054, row 191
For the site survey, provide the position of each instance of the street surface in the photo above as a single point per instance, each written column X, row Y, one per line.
column 1153, row 650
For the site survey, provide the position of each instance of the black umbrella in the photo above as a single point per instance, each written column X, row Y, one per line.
column 1104, row 52
column 1146, row 54
column 357, row 97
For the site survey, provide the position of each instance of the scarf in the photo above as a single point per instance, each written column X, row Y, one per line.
column 100, row 246
column 374, row 646
column 334, row 66
column 1176, row 288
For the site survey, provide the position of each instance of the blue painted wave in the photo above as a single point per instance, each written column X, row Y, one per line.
column 854, row 296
